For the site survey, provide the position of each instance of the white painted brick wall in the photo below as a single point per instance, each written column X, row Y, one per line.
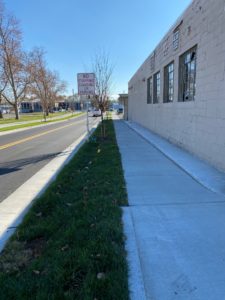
column 198, row 126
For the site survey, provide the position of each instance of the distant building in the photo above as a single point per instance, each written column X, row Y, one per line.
column 73, row 102
column 70, row 102
column 179, row 91
column 123, row 100
column 30, row 106
column 5, row 107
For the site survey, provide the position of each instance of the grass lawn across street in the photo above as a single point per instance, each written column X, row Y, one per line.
column 30, row 117
column 36, row 123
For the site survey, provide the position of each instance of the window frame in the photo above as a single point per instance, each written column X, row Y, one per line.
column 167, row 80
column 149, row 90
column 176, row 39
column 187, row 65
column 156, row 87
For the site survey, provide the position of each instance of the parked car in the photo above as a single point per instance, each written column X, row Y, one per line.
column 94, row 112
column 4, row 110
column 120, row 110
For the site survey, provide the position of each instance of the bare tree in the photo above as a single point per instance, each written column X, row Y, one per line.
column 3, row 84
column 46, row 85
column 103, row 69
column 56, row 88
column 3, row 81
column 15, row 62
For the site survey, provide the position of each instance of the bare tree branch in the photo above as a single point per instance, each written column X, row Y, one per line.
column 46, row 85
column 14, row 61
column 103, row 70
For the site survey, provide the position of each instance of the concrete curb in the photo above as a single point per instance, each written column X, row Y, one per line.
column 14, row 208
column 135, row 278
column 199, row 170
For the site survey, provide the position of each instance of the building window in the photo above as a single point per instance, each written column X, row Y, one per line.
column 149, row 90
column 169, row 83
column 187, row 75
column 176, row 39
column 166, row 47
column 152, row 62
column 156, row 93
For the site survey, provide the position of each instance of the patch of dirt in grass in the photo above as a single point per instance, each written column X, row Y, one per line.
column 75, row 282
column 36, row 246
column 20, row 255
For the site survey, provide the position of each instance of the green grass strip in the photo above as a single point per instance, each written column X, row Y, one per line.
column 38, row 123
column 31, row 117
column 71, row 243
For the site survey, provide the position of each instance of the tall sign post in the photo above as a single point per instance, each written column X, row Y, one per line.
column 86, row 87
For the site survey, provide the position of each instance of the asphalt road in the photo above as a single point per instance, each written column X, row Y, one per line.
column 24, row 153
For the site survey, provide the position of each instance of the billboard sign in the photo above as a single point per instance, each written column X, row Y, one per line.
column 86, row 83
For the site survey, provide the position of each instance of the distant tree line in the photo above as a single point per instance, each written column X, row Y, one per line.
column 24, row 75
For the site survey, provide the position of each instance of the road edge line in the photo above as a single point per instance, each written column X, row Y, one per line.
column 14, row 207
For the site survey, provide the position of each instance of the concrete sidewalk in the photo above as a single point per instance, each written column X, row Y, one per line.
column 176, row 225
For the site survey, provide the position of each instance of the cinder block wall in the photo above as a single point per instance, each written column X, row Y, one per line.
column 199, row 125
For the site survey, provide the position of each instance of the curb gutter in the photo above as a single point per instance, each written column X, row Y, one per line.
column 14, row 208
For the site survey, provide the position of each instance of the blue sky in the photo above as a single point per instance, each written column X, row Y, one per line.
column 72, row 31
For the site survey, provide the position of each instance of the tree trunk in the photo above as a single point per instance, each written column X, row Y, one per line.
column 1, row 114
column 103, row 126
column 102, row 131
column 16, row 112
